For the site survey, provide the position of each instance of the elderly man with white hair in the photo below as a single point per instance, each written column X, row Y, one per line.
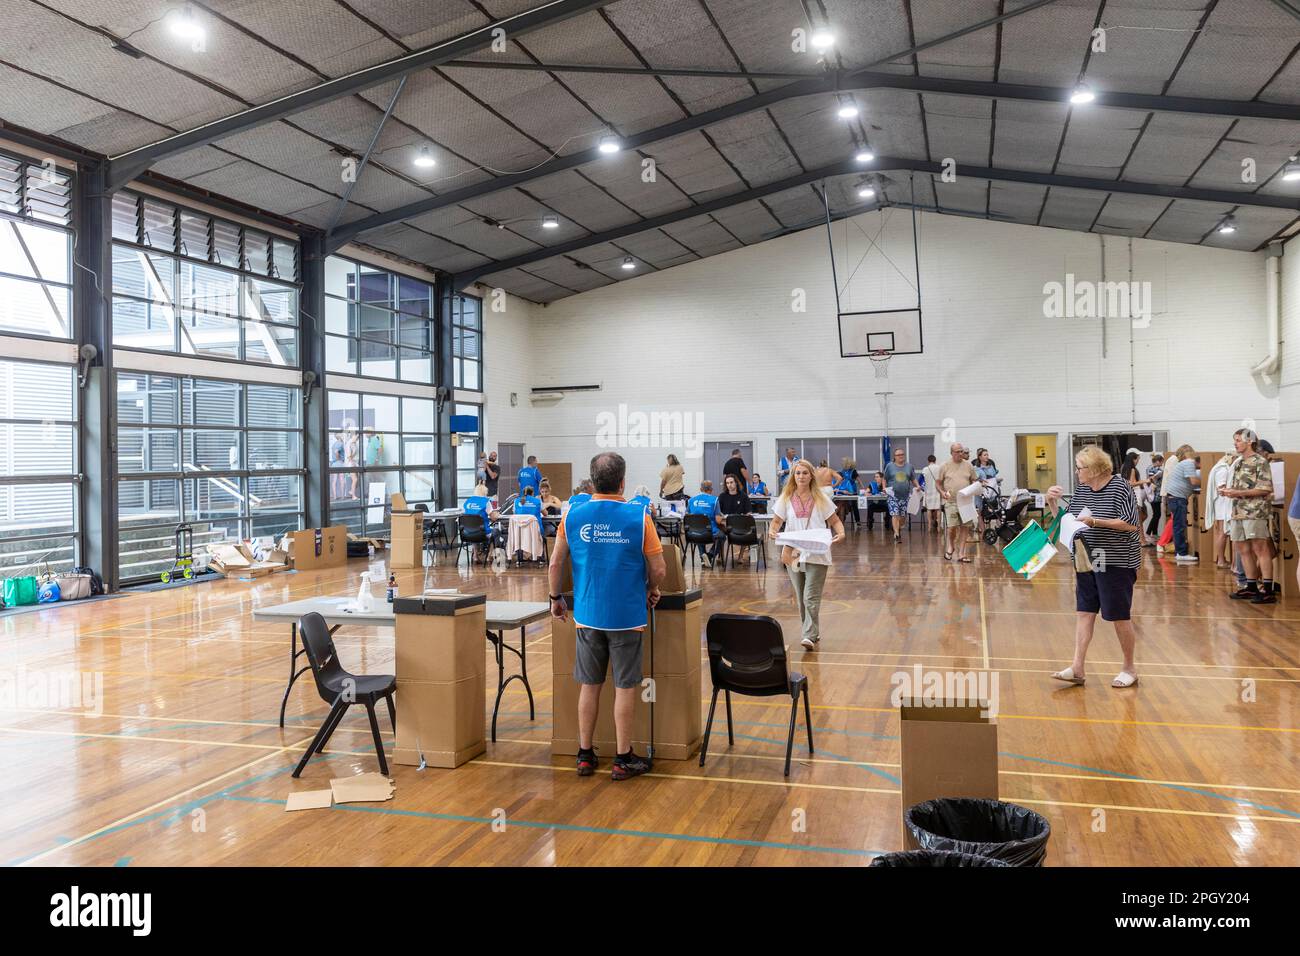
column 954, row 475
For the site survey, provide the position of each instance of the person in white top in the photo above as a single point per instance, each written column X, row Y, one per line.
column 803, row 505
column 931, row 501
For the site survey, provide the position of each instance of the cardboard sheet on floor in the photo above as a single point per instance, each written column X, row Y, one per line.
column 309, row 800
column 363, row 788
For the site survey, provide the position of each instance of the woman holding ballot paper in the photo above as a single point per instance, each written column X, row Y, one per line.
column 808, row 516
column 1103, row 538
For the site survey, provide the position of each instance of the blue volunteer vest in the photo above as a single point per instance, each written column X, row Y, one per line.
column 642, row 500
column 759, row 489
column 530, row 477
column 531, row 506
column 605, row 544
column 703, row 504
column 581, row 498
column 477, row 505
column 848, row 484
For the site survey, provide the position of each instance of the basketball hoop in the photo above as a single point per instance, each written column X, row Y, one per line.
column 880, row 362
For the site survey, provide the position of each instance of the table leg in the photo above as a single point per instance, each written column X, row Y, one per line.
column 499, row 642
column 294, row 671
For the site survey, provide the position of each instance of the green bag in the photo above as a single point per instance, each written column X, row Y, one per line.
column 20, row 591
column 1031, row 550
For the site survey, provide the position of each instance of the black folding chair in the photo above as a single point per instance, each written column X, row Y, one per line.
column 699, row 535
column 742, row 532
column 747, row 655
column 473, row 532
column 340, row 689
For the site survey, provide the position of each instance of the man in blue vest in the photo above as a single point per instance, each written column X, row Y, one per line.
column 583, row 495
column 783, row 467
column 618, row 564
column 530, row 476
column 706, row 503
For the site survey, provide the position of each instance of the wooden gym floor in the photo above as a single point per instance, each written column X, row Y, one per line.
column 186, row 765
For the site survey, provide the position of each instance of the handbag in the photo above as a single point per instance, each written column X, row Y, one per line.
column 1082, row 556
column 73, row 586
column 20, row 591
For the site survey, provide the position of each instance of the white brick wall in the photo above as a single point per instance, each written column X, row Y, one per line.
column 1289, row 391
column 718, row 337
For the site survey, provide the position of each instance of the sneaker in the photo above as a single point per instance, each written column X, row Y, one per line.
column 1264, row 597
column 629, row 766
column 1244, row 594
column 1186, row 559
column 587, row 763
column 809, row 643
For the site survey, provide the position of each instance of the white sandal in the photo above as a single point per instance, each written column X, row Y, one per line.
column 1124, row 679
column 1067, row 675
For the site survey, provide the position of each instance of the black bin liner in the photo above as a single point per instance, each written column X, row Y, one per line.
column 940, row 858
column 989, row 828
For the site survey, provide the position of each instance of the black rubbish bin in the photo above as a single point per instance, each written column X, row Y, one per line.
column 940, row 858
column 991, row 828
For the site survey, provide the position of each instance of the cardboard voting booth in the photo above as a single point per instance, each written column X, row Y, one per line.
column 949, row 750
column 441, row 679
column 317, row 548
column 670, row 658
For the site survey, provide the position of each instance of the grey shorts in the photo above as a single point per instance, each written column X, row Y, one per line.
column 596, row 650
column 1249, row 529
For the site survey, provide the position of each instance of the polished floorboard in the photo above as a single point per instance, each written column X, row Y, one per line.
column 184, row 762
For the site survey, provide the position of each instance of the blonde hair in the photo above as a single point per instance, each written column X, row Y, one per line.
column 1096, row 460
column 1185, row 451
column 847, row 462
column 788, row 489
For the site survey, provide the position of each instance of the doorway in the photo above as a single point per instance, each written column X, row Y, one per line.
column 511, row 458
column 716, row 454
column 1036, row 461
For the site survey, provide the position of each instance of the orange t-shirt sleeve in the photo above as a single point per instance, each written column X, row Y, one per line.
column 652, row 543
column 559, row 530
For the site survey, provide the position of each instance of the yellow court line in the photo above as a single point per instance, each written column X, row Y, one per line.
column 984, row 625
column 1181, row 813
column 160, row 740
column 1161, row 617
column 1050, row 660
column 167, row 719
column 164, row 802
column 1005, row 773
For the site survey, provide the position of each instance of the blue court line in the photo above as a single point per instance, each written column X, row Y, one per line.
column 575, row 828
column 825, row 753
column 123, row 861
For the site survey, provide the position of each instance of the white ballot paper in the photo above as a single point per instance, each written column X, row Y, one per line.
column 1071, row 526
column 914, row 501
column 966, row 502
column 811, row 541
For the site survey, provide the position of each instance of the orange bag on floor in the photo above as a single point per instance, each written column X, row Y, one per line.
column 1167, row 536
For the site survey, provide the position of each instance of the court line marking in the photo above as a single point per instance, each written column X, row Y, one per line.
column 984, row 625
column 161, row 740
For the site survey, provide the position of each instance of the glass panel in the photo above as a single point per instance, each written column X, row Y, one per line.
column 340, row 317
column 211, row 402
column 38, row 252
column 345, row 486
column 148, row 502
column 204, row 334
column 36, row 510
column 340, row 355
column 380, row 448
column 420, row 485
column 470, row 375
column 147, row 399
column 144, row 325
column 270, row 302
column 212, row 450
column 126, row 211
column 273, row 450
column 209, row 498
column 375, row 325
column 272, row 344
column 379, row 413
column 58, row 552
column 378, row 361
column 274, row 406
column 351, row 519
column 34, row 308
column 148, row 449
column 36, row 449
column 146, row 552
column 420, row 450
column 413, row 331
column 340, row 277
column 274, row 525
column 284, row 259
column 419, row 415
column 376, row 287
column 207, row 289
column 145, row 275
column 225, row 244
column 160, row 225
column 417, row 366
column 257, row 251
column 195, row 240
column 268, row 493
column 36, row 392
column 414, row 297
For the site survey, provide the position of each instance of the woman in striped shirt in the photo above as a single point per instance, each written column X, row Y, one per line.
column 1111, row 537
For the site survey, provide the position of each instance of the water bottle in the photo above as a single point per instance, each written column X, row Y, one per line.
column 392, row 587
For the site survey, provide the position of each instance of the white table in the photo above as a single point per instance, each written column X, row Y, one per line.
column 502, row 616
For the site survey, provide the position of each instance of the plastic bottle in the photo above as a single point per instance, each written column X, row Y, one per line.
column 365, row 600
column 392, row 587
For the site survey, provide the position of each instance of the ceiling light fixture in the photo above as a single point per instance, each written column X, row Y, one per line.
column 822, row 39
column 425, row 158
column 1291, row 171
column 610, row 144
column 866, row 191
column 1082, row 94
column 1228, row 226
column 185, row 25
column 550, row 222
column 848, row 110
column 865, row 156
column 629, row 263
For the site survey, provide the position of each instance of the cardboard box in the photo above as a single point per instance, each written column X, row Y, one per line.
column 441, row 721
column 441, row 649
column 407, row 540
column 317, row 547
column 948, row 751
column 674, row 576
column 399, row 502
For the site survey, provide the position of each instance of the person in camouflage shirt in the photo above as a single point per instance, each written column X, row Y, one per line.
column 1250, row 488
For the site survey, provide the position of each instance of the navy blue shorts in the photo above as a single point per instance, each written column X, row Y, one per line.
column 1109, row 591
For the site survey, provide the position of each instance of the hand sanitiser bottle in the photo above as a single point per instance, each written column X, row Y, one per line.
column 365, row 600
column 392, row 587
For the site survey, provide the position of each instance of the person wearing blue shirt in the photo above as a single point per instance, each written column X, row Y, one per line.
column 984, row 466
column 582, row 493
column 783, row 468
column 529, row 504
column 480, row 504
column 530, row 476
column 706, row 503
column 641, row 497
column 756, row 485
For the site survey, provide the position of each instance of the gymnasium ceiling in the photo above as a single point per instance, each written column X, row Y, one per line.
column 61, row 76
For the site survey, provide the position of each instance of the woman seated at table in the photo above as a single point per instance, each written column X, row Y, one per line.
column 846, row 483
column 876, row 486
column 551, row 505
column 529, row 504
column 757, row 488
column 480, row 504
column 734, row 500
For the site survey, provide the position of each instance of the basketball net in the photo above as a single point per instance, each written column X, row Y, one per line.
column 880, row 362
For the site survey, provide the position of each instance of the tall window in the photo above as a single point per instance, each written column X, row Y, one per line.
column 35, row 249
column 38, row 466
column 379, row 444
column 467, row 341
column 196, row 284
column 377, row 323
column 223, row 457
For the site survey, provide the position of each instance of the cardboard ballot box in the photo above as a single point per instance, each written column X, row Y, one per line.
column 949, row 750
column 406, row 540
column 317, row 548
column 670, row 654
column 441, row 679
